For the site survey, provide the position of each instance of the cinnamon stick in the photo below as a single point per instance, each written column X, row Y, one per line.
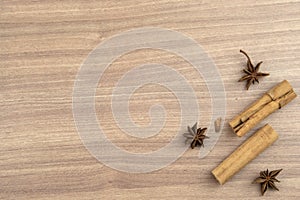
column 273, row 100
column 249, row 150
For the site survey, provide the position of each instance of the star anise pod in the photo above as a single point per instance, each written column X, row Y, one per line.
column 196, row 135
column 267, row 180
column 252, row 73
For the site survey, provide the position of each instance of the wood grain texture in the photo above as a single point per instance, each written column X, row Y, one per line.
column 43, row 44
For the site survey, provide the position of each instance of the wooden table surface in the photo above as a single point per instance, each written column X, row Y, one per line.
column 43, row 44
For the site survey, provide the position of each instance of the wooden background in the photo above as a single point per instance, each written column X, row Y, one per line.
column 43, row 44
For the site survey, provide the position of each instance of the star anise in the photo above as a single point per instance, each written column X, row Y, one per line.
column 267, row 180
column 196, row 135
column 252, row 73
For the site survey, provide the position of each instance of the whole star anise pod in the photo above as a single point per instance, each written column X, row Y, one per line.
column 267, row 180
column 252, row 73
column 196, row 135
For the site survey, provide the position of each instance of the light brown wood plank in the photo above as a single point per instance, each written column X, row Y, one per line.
column 43, row 44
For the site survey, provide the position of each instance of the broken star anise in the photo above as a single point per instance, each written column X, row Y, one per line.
column 196, row 135
column 252, row 73
column 267, row 180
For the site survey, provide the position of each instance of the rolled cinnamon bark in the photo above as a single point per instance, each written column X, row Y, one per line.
column 249, row 150
column 273, row 100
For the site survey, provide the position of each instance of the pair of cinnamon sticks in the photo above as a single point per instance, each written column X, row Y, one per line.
column 273, row 100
